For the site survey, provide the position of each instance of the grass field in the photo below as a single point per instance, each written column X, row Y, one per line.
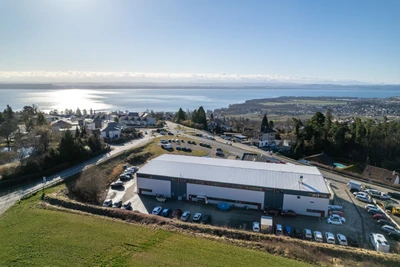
column 33, row 236
column 155, row 148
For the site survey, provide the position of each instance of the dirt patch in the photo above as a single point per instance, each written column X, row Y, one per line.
column 320, row 254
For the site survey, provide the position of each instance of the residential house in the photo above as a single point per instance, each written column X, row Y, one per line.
column 264, row 138
column 60, row 125
column 137, row 120
column 98, row 122
column 381, row 175
column 111, row 130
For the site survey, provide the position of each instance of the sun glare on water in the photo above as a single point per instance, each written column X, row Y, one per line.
column 72, row 99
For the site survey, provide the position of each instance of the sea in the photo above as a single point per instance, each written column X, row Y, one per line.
column 163, row 99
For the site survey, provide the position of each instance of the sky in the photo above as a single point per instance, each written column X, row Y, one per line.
column 94, row 40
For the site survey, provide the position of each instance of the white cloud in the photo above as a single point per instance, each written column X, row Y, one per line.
column 90, row 76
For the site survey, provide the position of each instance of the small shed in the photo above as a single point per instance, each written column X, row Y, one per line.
column 267, row 224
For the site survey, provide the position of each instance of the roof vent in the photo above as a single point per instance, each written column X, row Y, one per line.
column 301, row 179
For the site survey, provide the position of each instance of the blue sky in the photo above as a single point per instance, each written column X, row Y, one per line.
column 329, row 40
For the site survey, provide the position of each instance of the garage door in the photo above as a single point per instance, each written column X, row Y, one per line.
column 153, row 187
column 224, row 194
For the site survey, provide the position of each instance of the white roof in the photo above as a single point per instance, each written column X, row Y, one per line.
column 270, row 175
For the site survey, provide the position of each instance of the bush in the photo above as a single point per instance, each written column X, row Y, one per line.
column 116, row 172
column 138, row 158
column 89, row 187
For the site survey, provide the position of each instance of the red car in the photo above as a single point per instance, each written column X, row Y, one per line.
column 177, row 213
column 379, row 216
column 336, row 212
column 288, row 213
column 271, row 212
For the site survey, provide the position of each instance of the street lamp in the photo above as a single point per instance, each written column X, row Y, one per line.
column 44, row 182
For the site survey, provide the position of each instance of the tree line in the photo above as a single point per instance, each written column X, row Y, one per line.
column 366, row 141
column 195, row 119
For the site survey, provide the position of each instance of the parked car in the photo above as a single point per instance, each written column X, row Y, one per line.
column 165, row 212
column 374, row 211
column 288, row 213
column 318, row 236
column 219, row 153
column 183, row 141
column 271, row 212
column 125, row 177
column 177, row 213
column 330, row 238
column 307, row 234
column 334, row 221
column 127, row 206
column 388, row 228
column 185, row 216
column 395, row 195
column 197, row 217
column 164, row 141
column 169, row 133
column 256, row 227
column 394, row 235
column 342, row 219
column 279, row 229
column 298, row 233
column 342, row 240
column 288, row 230
column 189, row 141
column 369, row 206
column 386, row 222
column 340, row 213
column 352, row 241
column 157, row 210
column 206, row 219
column 335, row 207
column 178, row 148
column 364, row 199
column 194, row 143
column 117, row 184
column 117, row 204
column 384, row 196
column 379, row 216
column 107, row 203
column 361, row 194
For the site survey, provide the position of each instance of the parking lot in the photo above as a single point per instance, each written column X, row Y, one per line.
column 359, row 222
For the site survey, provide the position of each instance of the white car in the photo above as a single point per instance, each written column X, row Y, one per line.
column 330, row 238
column 384, row 196
column 335, row 216
column 334, row 221
column 364, row 199
column 185, row 216
column 342, row 240
column 256, row 227
column 157, row 210
column 197, row 217
column 318, row 236
column 361, row 194
column 369, row 206
column 388, row 228
column 307, row 234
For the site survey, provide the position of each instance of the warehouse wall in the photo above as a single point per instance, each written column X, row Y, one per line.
column 303, row 205
column 152, row 187
column 226, row 193
column 273, row 199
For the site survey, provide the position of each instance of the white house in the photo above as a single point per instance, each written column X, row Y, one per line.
column 137, row 120
column 111, row 130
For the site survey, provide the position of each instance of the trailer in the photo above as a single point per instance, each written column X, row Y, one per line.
column 267, row 224
column 354, row 186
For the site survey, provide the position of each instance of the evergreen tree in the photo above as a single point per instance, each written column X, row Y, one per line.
column 328, row 123
column 78, row 112
column 202, row 118
column 41, row 120
column 271, row 124
column 264, row 123
column 77, row 133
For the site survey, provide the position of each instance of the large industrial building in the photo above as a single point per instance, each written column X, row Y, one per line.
column 257, row 185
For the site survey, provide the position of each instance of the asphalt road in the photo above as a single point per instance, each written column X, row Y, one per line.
column 15, row 194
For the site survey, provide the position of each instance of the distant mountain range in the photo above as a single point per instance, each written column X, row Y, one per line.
column 194, row 86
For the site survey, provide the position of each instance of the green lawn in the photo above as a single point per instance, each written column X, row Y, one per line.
column 33, row 236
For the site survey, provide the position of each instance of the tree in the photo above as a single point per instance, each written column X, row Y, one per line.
column 212, row 116
column 180, row 115
column 41, row 120
column 264, row 123
column 297, row 125
column 67, row 146
column 328, row 123
column 29, row 125
column 78, row 112
column 84, row 112
column 202, row 118
column 9, row 125
column 77, row 133
column 43, row 138
column 271, row 124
